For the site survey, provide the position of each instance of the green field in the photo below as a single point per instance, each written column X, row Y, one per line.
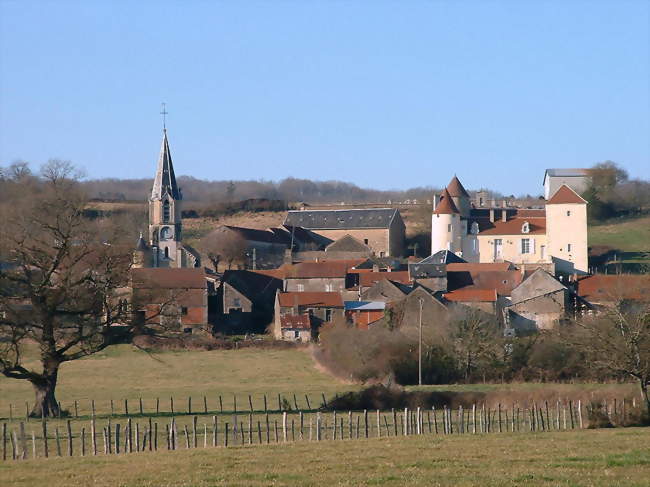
column 584, row 458
column 630, row 235
column 125, row 372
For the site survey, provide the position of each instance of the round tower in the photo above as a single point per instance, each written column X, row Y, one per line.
column 445, row 225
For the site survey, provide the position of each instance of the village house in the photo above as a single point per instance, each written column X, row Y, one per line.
column 321, row 307
column 540, row 302
column 328, row 276
column 173, row 299
column 381, row 229
column 362, row 314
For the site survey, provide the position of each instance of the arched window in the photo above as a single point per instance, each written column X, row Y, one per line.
column 166, row 212
column 525, row 228
column 165, row 233
column 166, row 252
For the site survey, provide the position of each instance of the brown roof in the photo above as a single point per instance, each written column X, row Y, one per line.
column 565, row 195
column 456, row 189
column 513, row 226
column 326, row 269
column 318, row 299
column 301, row 322
column 611, row 287
column 446, row 205
column 367, row 279
column 168, row 278
column 466, row 295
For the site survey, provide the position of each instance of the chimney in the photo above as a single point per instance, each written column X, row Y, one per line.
column 491, row 215
column 505, row 203
column 504, row 215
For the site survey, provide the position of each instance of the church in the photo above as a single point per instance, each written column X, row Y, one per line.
column 553, row 237
column 164, row 248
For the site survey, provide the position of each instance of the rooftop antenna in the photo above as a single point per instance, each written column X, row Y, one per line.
column 164, row 114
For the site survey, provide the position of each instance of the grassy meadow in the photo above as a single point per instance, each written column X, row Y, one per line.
column 585, row 458
column 629, row 235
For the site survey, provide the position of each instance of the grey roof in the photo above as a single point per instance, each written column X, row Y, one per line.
column 347, row 243
column 342, row 219
column 165, row 180
column 424, row 271
column 539, row 283
column 567, row 172
column 443, row 257
column 141, row 245
column 364, row 305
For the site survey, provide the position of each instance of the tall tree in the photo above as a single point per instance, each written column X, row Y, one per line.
column 60, row 277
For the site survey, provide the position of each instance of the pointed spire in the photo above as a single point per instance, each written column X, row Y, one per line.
column 456, row 189
column 446, row 205
column 165, row 180
column 141, row 245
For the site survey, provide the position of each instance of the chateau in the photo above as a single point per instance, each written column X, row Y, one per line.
column 553, row 237
column 165, row 247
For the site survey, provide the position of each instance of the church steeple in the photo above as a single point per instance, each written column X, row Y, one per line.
column 165, row 181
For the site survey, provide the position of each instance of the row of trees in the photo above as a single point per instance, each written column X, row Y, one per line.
column 612, row 193
column 470, row 346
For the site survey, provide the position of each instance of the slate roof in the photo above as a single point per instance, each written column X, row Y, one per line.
column 565, row 195
column 368, row 279
column 342, row 219
column 316, row 299
column 394, row 263
column 364, row 305
column 165, row 180
column 426, row 271
column 442, row 257
column 347, row 243
column 141, row 245
column 568, row 172
column 539, row 283
column 255, row 235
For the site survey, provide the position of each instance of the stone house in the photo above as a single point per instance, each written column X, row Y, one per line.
column 381, row 229
column 362, row 314
column 406, row 311
column 321, row 307
column 328, row 276
column 485, row 300
column 175, row 299
column 246, row 301
column 540, row 302
column 296, row 328
column 385, row 291
column 345, row 248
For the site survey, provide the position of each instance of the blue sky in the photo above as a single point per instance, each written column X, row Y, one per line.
column 381, row 94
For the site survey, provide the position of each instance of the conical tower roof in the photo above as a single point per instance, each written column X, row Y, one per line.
column 141, row 245
column 456, row 189
column 165, row 180
column 446, row 205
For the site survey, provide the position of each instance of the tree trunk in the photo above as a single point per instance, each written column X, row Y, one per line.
column 646, row 396
column 45, row 404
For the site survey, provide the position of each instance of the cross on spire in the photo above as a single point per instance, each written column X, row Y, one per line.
column 164, row 114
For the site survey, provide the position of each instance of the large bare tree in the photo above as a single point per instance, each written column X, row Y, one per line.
column 60, row 275
column 617, row 340
column 224, row 246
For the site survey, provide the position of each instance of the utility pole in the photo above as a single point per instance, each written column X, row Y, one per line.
column 420, row 347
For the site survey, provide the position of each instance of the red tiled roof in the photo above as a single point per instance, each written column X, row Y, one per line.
column 301, row 322
column 367, row 279
column 513, row 226
column 467, row 295
column 168, row 278
column 611, row 287
column 446, row 205
column 456, row 189
column 565, row 195
column 318, row 299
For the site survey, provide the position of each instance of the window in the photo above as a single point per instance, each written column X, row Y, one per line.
column 166, row 252
column 165, row 233
column 365, row 241
column 568, row 213
column 166, row 212
column 184, row 310
column 300, row 287
column 310, row 311
column 382, row 254
column 328, row 315
column 236, row 302
column 525, row 228
column 296, row 334
column 449, row 227
column 187, row 330
column 525, row 246
column 568, row 247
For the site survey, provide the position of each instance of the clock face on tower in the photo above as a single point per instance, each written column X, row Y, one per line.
column 165, row 233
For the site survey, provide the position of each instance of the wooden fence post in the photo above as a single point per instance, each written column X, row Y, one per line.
column 69, row 426
column 295, row 402
column 141, row 408
column 365, row 422
column 33, row 445
column 189, row 405
column 157, row 406
column 250, row 403
column 194, row 440
column 93, row 435
column 307, row 401
column 284, row 426
column 117, row 438
column 83, row 442
column 205, row 405
column 324, row 400
column 171, row 404
column 378, row 424
column 126, row 407
column 187, row 437
column 265, row 405
column 214, row 430
column 301, row 418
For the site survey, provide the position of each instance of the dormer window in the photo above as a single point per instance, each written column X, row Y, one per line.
column 525, row 228
column 474, row 228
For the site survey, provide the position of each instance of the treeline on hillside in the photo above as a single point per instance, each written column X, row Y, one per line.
column 613, row 194
column 289, row 189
